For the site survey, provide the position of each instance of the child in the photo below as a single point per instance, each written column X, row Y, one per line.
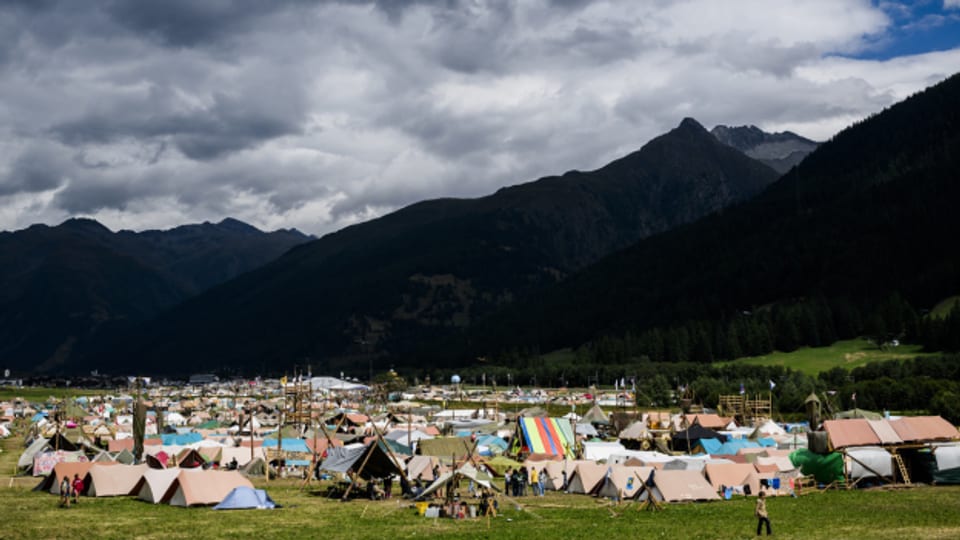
column 77, row 488
column 761, row 513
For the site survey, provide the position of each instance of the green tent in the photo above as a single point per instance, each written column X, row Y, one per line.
column 500, row 464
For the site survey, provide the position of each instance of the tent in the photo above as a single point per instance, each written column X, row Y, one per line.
column 597, row 451
column 465, row 471
column 586, row 477
column 869, row 461
column 675, row 486
column 552, row 475
column 52, row 482
column 596, row 416
column 154, row 483
column 446, row 447
column 189, row 458
column 124, row 456
column 544, row 435
column 689, row 438
column 733, row 474
column 371, row 461
column 243, row 497
column 622, row 482
column 421, row 468
column 203, row 487
column 112, row 480
column 242, row 455
column 500, row 464
column 44, row 462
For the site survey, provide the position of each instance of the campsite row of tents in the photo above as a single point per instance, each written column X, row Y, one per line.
column 176, row 487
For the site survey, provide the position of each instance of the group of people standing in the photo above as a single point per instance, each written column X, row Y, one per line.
column 70, row 490
column 516, row 481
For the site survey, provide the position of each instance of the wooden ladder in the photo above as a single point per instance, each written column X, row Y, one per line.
column 902, row 468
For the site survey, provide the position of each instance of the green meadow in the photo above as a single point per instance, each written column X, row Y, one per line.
column 847, row 354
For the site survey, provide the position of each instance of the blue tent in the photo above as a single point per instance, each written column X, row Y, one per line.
column 243, row 497
column 181, row 439
column 289, row 445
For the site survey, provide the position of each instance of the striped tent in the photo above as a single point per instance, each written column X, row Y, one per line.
column 546, row 436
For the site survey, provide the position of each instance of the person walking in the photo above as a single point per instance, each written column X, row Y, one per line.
column 761, row 513
column 65, row 492
column 77, row 488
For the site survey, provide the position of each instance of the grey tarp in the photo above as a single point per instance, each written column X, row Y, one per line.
column 26, row 458
column 341, row 458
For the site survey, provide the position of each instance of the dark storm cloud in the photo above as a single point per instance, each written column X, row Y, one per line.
column 39, row 168
column 319, row 113
column 228, row 125
column 188, row 23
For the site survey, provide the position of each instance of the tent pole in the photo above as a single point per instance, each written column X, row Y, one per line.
column 390, row 452
column 360, row 470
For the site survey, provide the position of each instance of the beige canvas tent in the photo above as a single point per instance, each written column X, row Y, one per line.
column 622, row 482
column 679, row 485
column 586, row 477
column 203, row 487
column 52, row 482
column 153, row 484
column 113, row 480
column 733, row 474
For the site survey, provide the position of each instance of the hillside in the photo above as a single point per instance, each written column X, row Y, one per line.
column 61, row 287
column 386, row 287
column 869, row 213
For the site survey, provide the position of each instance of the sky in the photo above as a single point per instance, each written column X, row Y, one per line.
column 320, row 114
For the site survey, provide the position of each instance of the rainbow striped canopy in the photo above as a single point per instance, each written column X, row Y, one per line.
column 548, row 436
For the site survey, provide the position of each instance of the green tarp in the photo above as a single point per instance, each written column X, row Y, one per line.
column 824, row 468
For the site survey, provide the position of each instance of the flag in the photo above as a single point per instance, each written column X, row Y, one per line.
column 283, row 380
column 772, row 384
column 854, row 396
column 742, row 389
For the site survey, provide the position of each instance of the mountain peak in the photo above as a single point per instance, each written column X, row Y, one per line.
column 84, row 224
column 781, row 150
column 689, row 123
column 237, row 226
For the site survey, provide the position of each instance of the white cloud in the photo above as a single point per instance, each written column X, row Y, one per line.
column 951, row 4
column 321, row 115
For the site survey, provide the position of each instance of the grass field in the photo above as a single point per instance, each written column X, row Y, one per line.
column 39, row 394
column 921, row 512
column 846, row 354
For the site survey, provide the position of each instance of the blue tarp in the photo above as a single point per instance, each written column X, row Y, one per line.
column 731, row 447
column 243, row 497
column 711, row 446
column 767, row 441
column 289, row 445
column 181, row 440
column 38, row 417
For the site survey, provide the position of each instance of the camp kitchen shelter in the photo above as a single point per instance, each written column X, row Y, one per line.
column 892, row 449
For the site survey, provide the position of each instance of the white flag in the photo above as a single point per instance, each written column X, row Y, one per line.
column 772, row 384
